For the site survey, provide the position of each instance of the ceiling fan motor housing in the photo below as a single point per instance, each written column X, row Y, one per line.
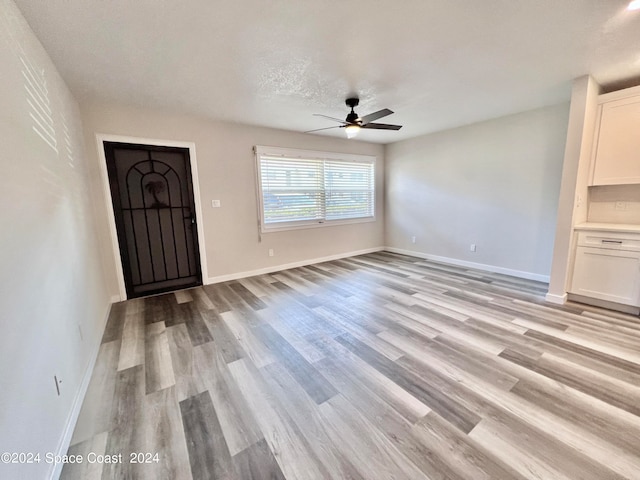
column 352, row 117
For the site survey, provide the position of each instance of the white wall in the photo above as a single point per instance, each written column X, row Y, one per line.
column 51, row 282
column 494, row 184
column 226, row 168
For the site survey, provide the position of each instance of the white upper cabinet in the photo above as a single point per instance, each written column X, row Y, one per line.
column 616, row 157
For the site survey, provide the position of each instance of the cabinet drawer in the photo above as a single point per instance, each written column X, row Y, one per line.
column 609, row 240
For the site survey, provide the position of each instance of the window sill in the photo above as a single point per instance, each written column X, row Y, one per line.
column 327, row 223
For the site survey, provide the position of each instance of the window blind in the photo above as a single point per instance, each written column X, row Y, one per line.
column 296, row 190
column 349, row 188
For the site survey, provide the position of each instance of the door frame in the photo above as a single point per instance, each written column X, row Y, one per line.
column 115, row 245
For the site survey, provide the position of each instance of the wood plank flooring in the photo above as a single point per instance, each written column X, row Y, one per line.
column 380, row 366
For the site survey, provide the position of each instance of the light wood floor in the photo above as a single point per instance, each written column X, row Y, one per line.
column 380, row 366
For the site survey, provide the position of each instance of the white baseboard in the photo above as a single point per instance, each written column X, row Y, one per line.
column 477, row 266
column 604, row 304
column 557, row 299
column 72, row 419
column 116, row 299
column 286, row 266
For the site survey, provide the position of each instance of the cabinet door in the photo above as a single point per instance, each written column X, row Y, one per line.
column 610, row 275
column 617, row 158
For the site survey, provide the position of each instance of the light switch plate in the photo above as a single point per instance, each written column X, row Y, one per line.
column 215, row 203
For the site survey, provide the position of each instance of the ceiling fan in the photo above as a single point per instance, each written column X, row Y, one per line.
column 353, row 123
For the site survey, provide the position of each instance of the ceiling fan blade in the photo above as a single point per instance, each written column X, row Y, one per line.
column 326, row 128
column 375, row 115
column 382, row 126
column 330, row 118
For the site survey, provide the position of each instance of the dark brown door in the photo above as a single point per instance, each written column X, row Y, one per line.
column 154, row 209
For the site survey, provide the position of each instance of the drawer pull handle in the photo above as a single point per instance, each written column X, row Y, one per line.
column 619, row 242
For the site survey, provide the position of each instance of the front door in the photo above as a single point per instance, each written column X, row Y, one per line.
column 152, row 196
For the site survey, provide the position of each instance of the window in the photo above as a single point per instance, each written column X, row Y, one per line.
column 298, row 188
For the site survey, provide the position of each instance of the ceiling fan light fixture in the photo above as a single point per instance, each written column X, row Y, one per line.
column 352, row 130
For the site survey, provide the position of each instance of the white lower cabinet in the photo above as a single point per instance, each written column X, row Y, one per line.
column 607, row 274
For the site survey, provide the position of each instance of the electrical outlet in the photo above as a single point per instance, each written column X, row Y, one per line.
column 413, row 239
column 621, row 205
column 472, row 247
column 215, row 203
column 271, row 252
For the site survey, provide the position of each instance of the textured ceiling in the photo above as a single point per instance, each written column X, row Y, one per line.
column 437, row 63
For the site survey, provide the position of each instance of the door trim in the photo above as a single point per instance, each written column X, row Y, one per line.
column 115, row 246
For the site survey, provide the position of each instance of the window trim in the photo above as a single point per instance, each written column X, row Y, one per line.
column 260, row 150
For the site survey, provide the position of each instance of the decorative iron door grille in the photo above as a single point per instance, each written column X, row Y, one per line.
column 152, row 196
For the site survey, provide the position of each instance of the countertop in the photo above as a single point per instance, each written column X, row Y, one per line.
column 609, row 227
